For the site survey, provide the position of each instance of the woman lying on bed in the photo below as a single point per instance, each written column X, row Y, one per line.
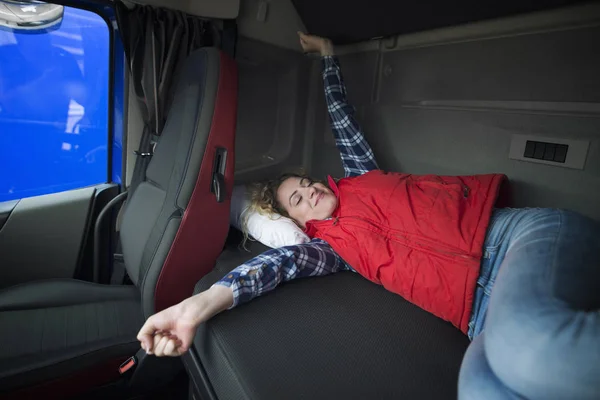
column 439, row 242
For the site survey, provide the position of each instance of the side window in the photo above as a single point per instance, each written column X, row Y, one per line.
column 54, row 106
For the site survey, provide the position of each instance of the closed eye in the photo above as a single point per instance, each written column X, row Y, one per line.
column 295, row 198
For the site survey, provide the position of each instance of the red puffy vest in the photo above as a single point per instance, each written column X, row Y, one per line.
column 419, row 236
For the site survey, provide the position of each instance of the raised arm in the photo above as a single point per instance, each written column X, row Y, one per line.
column 357, row 156
column 171, row 331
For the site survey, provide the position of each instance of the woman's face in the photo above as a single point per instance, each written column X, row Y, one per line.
column 305, row 200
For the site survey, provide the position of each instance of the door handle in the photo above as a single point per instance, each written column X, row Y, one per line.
column 218, row 176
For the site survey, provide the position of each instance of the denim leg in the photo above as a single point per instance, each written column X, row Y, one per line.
column 495, row 247
column 542, row 329
column 476, row 380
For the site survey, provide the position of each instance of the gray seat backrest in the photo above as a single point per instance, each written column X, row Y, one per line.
column 202, row 114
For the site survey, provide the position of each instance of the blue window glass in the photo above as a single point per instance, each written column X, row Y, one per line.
column 54, row 91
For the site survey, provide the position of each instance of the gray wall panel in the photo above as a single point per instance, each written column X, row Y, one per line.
column 452, row 108
column 272, row 112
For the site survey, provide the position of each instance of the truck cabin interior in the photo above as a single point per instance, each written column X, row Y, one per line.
column 129, row 128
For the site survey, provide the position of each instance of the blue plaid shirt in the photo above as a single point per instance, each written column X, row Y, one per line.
column 264, row 272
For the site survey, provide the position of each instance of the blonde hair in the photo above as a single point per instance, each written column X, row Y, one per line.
column 263, row 200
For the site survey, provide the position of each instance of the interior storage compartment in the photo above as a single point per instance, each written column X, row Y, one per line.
column 353, row 21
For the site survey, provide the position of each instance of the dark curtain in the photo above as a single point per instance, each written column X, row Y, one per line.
column 156, row 42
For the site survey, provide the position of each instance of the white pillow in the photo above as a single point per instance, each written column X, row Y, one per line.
column 273, row 231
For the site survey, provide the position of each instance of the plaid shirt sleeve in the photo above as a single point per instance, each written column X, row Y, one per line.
column 357, row 155
column 264, row 272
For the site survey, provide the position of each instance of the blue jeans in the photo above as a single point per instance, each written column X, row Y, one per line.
column 536, row 335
